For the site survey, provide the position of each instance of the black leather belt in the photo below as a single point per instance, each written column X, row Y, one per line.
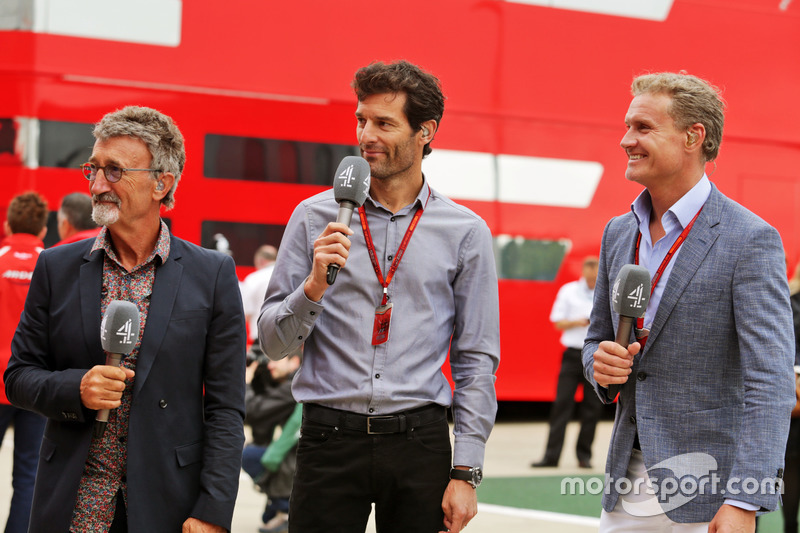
column 375, row 425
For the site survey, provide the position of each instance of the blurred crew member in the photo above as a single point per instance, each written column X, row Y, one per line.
column 25, row 227
column 75, row 219
column 570, row 314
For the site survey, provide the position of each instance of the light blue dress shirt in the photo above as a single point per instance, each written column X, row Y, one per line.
column 445, row 299
column 673, row 221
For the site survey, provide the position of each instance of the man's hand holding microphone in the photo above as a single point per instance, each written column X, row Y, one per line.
column 613, row 359
column 331, row 248
column 102, row 386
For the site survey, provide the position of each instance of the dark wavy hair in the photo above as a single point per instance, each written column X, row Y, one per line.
column 424, row 98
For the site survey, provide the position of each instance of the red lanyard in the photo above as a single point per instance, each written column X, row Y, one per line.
column 667, row 258
column 398, row 256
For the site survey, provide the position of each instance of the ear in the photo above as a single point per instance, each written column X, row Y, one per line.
column 167, row 179
column 695, row 136
column 6, row 228
column 43, row 233
column 427, row 132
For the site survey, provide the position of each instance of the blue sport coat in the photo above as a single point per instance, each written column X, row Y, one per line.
column 715, row 376
column 185, row 431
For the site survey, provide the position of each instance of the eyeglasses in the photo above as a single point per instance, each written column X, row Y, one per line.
column 113, row 173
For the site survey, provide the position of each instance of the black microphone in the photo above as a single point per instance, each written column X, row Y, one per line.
column 629, row 297
column 350, row 188
column 119, row 332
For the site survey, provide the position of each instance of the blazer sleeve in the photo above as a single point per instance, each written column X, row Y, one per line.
column 34, row 380
column 763, row 318
column 223, row 380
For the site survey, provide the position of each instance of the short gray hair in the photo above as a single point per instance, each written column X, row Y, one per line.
column 157, row 131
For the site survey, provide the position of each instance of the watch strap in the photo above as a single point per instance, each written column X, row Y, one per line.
column 473, row 476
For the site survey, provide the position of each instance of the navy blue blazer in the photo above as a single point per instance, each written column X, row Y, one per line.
column 715, row 377
column 186, row 422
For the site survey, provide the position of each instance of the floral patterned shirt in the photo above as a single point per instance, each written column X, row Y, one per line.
column 105, row 472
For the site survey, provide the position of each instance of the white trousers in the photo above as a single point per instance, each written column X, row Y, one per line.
column 650, row 519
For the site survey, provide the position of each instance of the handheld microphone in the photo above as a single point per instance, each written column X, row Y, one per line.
column 350, row 188
column 119, row 332
column 629, row 297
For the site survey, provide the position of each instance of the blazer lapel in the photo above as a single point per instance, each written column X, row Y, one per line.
column 162, row 300
column 90, row 286
column 692, row 253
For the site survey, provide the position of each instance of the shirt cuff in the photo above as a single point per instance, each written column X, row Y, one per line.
column 468, row 452
column 741, row 505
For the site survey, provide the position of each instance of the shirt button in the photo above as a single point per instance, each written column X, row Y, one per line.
column 300, row 338
column 371, row 410
column 392, row 219
column 641, row 376
column 389, row 258
column 162, row 404
column 313, row 313
column 633, row 420
column 377, row 376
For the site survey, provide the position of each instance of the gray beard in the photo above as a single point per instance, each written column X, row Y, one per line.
column 105, row 215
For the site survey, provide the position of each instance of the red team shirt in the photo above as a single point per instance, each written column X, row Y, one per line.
column 18, row 255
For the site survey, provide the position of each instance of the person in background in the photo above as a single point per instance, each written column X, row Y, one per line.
column 25, row 228
column 254, row 288
column 790, row 503
column 417, row 282
column 706, row 378
column 170, row 456
column 75, row 219
column 570, row 314
column 271, row 461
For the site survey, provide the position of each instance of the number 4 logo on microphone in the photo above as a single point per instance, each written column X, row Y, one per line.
column 637, row 296
column 347, row 176
column 125, row 332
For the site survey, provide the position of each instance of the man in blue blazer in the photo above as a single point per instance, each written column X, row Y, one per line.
column 170, row 455
column 703, row 412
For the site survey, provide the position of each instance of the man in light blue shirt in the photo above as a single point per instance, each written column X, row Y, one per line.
column 707, row 383
column 375, row 428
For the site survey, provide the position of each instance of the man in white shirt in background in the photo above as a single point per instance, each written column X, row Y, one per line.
column 254, row 287
column 570, row 314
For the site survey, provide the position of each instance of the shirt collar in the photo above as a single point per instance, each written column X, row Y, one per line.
column 103, row 242
column 684, row 209
column 421, row 199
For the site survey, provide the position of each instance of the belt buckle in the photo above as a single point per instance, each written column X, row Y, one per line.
column 369, row 424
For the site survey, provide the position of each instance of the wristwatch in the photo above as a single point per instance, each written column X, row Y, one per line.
column 473, row 476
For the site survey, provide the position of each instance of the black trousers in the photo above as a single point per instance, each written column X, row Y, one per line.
column 341, row 472
column 790, row 503
column 569, row 379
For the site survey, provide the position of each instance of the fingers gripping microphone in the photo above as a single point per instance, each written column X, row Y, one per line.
column 629, row 297
column 350, row 188
column 119, row 332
